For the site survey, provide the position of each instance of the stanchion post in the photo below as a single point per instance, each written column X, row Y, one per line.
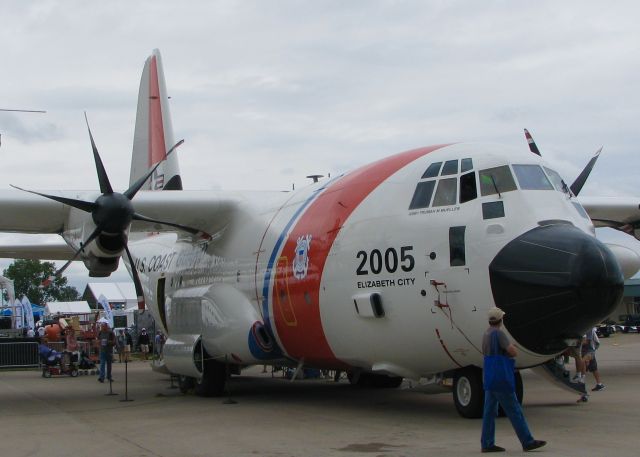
column 126, row 381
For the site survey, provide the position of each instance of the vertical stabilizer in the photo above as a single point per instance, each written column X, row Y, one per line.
column 154, row 133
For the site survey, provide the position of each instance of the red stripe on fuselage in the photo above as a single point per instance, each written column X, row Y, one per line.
column 297, row 317
column 157, row 147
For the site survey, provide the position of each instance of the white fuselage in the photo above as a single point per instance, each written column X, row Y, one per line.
column 344, row 273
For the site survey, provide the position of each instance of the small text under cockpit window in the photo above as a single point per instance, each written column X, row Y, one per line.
column 432, row 171
column 450, row 168
column 496, row 181
column 531, row 177
column 446, row 192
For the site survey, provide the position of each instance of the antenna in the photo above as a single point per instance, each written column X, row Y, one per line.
column 22, row 110
column 8, row 110
column 315, row 177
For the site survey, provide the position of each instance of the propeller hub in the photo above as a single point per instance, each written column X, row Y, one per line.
column 113, row 212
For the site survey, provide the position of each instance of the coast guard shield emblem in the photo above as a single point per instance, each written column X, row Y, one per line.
column 301, row 260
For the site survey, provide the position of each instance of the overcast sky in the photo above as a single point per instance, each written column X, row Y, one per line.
column 267, row 92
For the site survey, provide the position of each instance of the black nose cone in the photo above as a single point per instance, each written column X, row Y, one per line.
column 554, row 283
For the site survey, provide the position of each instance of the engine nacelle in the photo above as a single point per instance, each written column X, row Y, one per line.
column 628, row 259
column 102, row 255
column 182, row 354
column 229, row 327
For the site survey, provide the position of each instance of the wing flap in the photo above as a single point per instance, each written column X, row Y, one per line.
column 36, row 249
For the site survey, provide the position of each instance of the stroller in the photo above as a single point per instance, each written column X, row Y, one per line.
column 58, row 363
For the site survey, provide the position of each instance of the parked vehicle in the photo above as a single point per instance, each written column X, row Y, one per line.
column 606, row 329
column 630, row 323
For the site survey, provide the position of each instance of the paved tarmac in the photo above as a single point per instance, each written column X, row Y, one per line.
column 65, row 416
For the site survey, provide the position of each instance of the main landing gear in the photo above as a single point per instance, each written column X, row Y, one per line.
column 468, row 392
column 211, row 384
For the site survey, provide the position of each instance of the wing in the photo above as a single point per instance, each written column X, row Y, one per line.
column 615, row 212
column 24, row 212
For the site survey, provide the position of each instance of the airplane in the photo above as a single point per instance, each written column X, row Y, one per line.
column 385, row 272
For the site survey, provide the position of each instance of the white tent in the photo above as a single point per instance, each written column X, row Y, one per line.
column 6, row 283
column 67, row 307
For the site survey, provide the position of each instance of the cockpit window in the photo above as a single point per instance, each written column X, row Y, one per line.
column 432, row 171
column 422, row 195
column 531, row 177
column 450, row 168
column 468, row 190
column 446, row 192
column 496, row 180
column 466, row 165
column 556, row 180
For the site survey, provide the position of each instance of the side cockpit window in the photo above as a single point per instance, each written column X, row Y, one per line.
column 446, row 193
column 443, row 182
column 557, row 180
column 422, row 195
column 432, row 171
column 468, row 190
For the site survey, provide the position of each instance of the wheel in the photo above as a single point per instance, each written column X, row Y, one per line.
column 46, row 373
column 73, row 373
column 213, row 380
column 468, row 392
column 185, row 383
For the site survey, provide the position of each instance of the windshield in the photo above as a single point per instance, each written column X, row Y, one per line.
column 496, row 180
column 531, row 177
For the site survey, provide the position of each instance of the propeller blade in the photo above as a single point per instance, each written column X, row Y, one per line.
column 576, row 187
column 103, row 179
column 91, row 237
column 136, row 280
column 136, row 186
column 87, row 207
column 532, row 144
column 195, row 232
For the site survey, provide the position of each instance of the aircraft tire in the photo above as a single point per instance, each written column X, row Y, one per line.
column 213, row 380
column 186, row 383
column 468, row 392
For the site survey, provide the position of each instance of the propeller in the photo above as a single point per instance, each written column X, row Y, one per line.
column 532, row 144
column 577, row 185
column 113, row 212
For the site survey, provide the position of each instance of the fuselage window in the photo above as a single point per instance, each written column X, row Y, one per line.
column 466, row 165
column 450, row 168
column 531, row 177
column 556, row 180
column 496, row 180
column 422, row 195
column 457, row 256
column 492, row 210
column 468, row 190
column 446, row 192
column 432, row 171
